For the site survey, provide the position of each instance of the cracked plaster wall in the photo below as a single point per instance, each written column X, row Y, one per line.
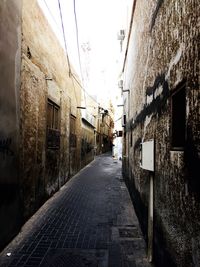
column 164, row 53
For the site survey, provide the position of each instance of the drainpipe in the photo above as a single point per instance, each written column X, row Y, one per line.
column 147, row 162
column 129, row 32
column 95, row 141
column 150, row 218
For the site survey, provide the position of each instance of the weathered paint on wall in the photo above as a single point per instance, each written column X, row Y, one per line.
column 45, row 77
column 34, row 72
column 163, row 55
column 10, row 57
column 87, row 143
column 33, row 135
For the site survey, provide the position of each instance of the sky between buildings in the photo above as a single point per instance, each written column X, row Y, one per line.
column 98, row 22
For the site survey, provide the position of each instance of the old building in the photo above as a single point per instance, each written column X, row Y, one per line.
column 97, row 130
column 161, row 106
column 106, row 130
column 89, row 122
column 40, row 125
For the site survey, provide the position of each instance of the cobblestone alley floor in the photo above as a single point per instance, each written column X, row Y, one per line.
column 89, row 222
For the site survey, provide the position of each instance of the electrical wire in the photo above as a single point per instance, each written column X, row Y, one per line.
column 63, row 30
column 85, row 92
column 77, row 40
column 66, row 51
column 52, row 16
column 118, row 119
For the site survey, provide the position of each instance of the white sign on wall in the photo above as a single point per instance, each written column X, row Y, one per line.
column 147, row 155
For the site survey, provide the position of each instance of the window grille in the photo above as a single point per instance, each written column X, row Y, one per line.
column 53, row 125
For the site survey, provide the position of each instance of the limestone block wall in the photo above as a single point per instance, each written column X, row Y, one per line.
column 33, row 96
column 39, row 92
column 49, row 95
column 162, row 60
column 87, row 143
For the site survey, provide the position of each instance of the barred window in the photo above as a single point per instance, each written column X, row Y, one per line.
column 119, row 134
column 53, row 125
column 53, row 115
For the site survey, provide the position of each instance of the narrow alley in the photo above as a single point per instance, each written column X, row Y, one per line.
column 99, row 133
column 89, row 222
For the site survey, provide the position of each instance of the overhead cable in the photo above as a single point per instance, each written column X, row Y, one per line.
column 52, row 15
column 77, row 40
column 63, row 30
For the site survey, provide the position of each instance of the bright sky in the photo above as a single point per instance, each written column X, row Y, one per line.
column 98, row 24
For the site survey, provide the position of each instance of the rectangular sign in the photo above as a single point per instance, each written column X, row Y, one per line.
column 147, row 155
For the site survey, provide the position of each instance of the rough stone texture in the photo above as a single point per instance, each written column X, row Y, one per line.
column 34, row 68
column 64, row 147
column 87, row 143
column 44, row 169
column 10, row 57
column 163, row 54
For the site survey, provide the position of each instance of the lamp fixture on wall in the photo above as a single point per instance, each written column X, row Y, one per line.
column 81, row 107
column 48, row 78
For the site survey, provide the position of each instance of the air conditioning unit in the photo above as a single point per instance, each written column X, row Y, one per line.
column 120, row 84
column 121, row 35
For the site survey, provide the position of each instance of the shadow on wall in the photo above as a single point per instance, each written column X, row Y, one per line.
column 10, row 211
column 192, row 164
column 87, row 152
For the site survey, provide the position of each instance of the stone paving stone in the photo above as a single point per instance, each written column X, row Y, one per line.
column 92, row 213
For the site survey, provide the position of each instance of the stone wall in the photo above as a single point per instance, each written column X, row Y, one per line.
column 10, row 58
column 49, row 87
column 163, row 57
column 39, row 93
column 90, row 122
column 87, row 143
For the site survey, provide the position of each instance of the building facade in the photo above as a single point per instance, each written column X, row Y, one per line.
column 88, row 126
column 45, row 138
column 40, row 125
column 161, row 72
column 97, row 130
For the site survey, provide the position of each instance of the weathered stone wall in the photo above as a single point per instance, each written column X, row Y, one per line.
column 90, row 122
column 10, row 58
column 163, row 55
column 33, row 135
column 107, row 126
column 45, row 77
column 87, row 143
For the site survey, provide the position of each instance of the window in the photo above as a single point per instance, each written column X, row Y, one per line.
column 53, row 125
column 178, row 119
column 52, row 115
column 119, row 133
column 97, row 138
